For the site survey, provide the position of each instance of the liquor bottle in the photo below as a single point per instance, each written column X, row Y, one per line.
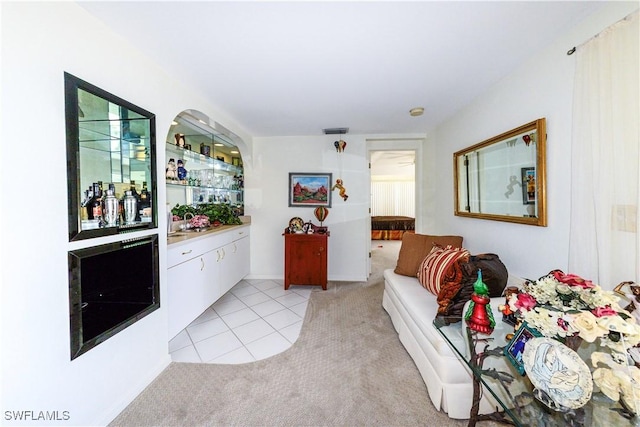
column 86, row 204
column 96, row 203
column 145, row 201
column 111, row 205
column 135, row 194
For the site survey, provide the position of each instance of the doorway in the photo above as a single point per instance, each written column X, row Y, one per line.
column 395, row 167
column 393, row 183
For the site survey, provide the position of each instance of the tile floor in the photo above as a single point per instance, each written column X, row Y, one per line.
column 256, row 319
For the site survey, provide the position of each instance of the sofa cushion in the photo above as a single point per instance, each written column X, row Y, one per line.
column 421, row 306
column 453, row 296
column 415, row 247
column 439, row 267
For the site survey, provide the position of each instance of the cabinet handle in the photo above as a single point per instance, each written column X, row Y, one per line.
column 235, row 248
column 218, row 253
column 223, row 253
column 201, row 264
column 187, row 252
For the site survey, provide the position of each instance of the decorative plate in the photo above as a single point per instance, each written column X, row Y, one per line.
column 561, row 377
column 295, row 225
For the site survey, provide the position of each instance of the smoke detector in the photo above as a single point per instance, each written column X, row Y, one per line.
column 418, row 111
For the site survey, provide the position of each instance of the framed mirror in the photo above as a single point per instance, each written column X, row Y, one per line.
column 110, row 162
column 504, row 177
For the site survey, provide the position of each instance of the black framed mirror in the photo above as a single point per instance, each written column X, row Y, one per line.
column 111, row 162
column 504, row 178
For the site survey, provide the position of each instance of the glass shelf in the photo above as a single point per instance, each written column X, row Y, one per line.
column 202, row 161
column 204, row 187
column 207, row 162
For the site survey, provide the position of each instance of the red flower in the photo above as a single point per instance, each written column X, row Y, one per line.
column 563, row 324
column 525, row 302
column 572, row 280
column 604, row 311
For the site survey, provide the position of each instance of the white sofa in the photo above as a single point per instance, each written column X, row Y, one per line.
column 412, row 310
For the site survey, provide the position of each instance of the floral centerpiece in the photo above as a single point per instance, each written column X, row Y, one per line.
column 199, row 221
column 569, row 308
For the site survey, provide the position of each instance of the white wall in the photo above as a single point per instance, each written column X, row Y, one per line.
column 42, row 40
column 39, row 42
column 541, row 87
column 266, row 187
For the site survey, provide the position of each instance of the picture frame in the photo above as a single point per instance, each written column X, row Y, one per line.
column 515, row 348
column 235, row 161
column 528, row 176
column 309, row 189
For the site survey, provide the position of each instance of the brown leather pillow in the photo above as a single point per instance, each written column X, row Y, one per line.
column 415, row 247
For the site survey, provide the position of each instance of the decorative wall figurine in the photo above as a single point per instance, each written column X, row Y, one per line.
column 340, row 145
column 180, row 141
column 182, row 172
column 171, row 169
column 343, row 191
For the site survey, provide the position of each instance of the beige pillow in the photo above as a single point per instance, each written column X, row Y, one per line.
column 415, row 248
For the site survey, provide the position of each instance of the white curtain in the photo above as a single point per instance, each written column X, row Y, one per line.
column 604, row 243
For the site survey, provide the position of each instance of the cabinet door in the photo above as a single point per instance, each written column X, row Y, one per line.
column 233, row 263
column 236, row 262
column 307, row 260
column 192, row 287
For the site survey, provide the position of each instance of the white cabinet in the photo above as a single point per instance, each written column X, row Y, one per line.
column 201, row 270
column 234, row 262
column 192, row 286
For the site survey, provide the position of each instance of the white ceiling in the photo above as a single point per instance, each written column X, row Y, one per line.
column 294, row 68
column 393, row 163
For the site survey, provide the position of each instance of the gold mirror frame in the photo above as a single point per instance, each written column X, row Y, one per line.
column 512, row 163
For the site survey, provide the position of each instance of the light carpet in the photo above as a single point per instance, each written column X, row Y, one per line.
column 347, row 368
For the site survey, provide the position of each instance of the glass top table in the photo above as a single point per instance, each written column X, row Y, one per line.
column 513, row 391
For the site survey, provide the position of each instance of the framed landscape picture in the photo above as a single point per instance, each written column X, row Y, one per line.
column 309, row 189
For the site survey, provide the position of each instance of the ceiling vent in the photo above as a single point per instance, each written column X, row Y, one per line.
column 335, row 131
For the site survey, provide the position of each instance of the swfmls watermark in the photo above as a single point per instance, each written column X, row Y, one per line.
column 31, row 415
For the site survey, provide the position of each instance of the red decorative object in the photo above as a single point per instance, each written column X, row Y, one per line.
column 479, row 320
column 479, row 316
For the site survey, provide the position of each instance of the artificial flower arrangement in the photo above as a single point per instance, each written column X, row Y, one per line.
column 566, row 307
column 199, row 221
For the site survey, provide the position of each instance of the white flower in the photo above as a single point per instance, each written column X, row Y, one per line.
column 587, row 326
column 563, row 289
column 620, row 384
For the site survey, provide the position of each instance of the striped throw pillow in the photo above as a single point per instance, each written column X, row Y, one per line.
column 437, row 267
